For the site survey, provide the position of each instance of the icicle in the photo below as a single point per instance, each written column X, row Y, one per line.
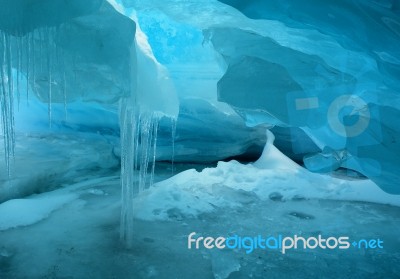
column 11, row 96
column 41, row 40
column 145, row 145
column 18, row 45
column 155, row 129
column 19, row 52
column 28, row 61
column 74, row 67
column 9, row 65
column 61, row 63
column 49, row 71
column 33, row 60
column 64, row 89
column 173, row 134
column 129, row 135
column 138, row 145
column 7, row 100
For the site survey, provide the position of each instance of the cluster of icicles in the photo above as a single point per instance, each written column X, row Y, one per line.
column 138, row 147
column 37, row 56
column 7, row 98
column 138, row 144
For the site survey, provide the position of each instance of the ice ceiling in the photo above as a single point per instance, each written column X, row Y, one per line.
column 134, row 78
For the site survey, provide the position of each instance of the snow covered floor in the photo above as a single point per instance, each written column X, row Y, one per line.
column 232, row 184
column 73, row 232
column 44, row 162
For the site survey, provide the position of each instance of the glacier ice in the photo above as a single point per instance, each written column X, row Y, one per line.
column 45, row 49
column 313, row 63
column 334, row 104
column 120, row 85
column 228, row 137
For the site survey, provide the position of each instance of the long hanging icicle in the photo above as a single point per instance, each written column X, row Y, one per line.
column 61, row 68
column 138, row 147
column 139, row 125
column 49, row 52
column 145, row 145
column 129, row 142
column 33, row 59
column 153, row 163
column 18, row 45
column 18, row 55
column 173, row 136
column 7, row 99
column 28, row 61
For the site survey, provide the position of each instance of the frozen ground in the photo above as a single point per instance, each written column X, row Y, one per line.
column 73, row 232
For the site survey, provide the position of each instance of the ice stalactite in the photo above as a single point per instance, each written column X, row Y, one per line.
column 19, row 54
column 7, row 99
column 49, row 72
column 28, row 62
column 19, row 66
column 173, row 136
column 64, row 90
column 51, row 61
column 129, row 143
column 138, row 154
column 152, row 96
column 153, row 163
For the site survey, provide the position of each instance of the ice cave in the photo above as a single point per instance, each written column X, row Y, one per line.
column 194, row 139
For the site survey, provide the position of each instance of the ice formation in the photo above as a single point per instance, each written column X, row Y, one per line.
column 325, row 77
column 152, row 97
column 7, row 99
column 315, row 75
column 220, row 116
column 181, row 88
column 46, row 52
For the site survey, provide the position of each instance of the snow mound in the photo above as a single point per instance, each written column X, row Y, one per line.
column 25, row 212
column 232, row 184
